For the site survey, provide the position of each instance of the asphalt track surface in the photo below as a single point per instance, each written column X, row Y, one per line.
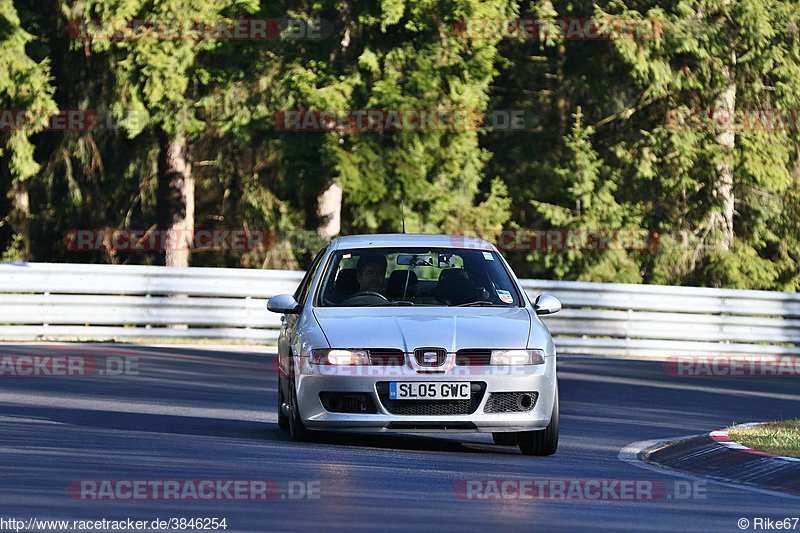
column 201, row 413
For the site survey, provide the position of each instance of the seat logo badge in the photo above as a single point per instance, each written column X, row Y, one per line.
column 430, row 358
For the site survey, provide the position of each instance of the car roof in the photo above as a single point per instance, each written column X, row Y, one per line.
column 393, row 240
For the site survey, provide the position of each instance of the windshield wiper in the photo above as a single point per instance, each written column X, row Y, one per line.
column 386, row 304
column 481, row 303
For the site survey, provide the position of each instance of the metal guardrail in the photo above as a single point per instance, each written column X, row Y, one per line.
column 70, row 302
column 657, row 320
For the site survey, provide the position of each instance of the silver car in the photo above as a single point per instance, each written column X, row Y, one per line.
column 412, row 333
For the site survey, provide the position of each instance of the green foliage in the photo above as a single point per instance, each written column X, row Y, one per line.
column 589, row 188
column 657, row 159
column 15, row 251
column 25, row 86
column 684, row 75
column 156, row 77
column 639, row 154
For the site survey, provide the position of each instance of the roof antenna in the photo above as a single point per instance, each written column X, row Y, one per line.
column 403, row 215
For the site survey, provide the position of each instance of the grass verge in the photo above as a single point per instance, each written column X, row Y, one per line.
column 779, row 438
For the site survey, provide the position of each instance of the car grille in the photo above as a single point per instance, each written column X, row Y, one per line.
column 474, row 357
column 431, row 407
column 386, row 357
column 511, row 402
column 441, row 356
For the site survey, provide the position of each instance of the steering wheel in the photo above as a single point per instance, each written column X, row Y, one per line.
column 364, row 298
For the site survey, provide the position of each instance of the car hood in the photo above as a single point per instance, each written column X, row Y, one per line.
column 410, row 328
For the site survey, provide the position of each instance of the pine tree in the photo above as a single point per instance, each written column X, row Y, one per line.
column 160, row 78
column 597, row 232
column 721, row 176
column 26, row 104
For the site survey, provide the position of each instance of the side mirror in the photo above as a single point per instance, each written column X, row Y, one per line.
column 546, row 304
column 283, row 303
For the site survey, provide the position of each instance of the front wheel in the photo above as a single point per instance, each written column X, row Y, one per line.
column 543, row 441
column 283, row 420
column 297, row 430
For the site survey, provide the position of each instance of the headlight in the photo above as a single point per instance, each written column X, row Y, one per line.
column 340, row 357
column 517, row 357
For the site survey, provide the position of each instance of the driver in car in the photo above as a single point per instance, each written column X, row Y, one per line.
column 371, row 273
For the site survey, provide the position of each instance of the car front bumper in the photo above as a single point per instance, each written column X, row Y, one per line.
column 314, row 380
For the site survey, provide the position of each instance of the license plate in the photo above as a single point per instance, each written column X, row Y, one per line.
column 429, row 390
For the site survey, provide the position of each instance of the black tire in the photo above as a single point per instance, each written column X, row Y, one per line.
column 544, row 441
column 296, row 428
column 283, row 420
column 505, row 439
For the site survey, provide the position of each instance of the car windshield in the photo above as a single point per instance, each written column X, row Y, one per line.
column 416, row 276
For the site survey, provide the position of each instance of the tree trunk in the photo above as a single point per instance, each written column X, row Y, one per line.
column 175, row 203
column 19, row 216
column 329, row 212
column 725, row 105
column 561, row 104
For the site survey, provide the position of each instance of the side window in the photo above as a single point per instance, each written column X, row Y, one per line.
column 305, row 285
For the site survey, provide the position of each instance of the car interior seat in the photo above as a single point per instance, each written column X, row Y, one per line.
column 455, row 287
column 400, row 282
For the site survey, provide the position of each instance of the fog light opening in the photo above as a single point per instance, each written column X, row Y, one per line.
column 335, row 402
column 524, row 401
